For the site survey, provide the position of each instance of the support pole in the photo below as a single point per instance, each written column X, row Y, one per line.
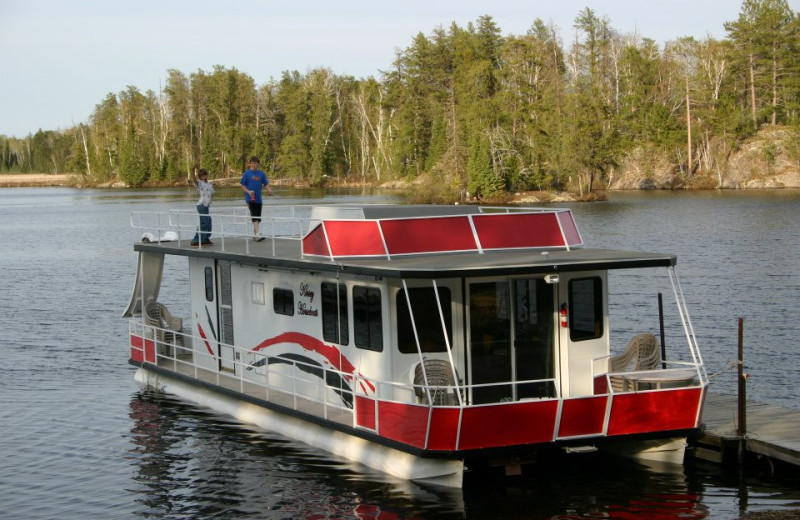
column 742, row 390
column 661, row 329
column 741, row 429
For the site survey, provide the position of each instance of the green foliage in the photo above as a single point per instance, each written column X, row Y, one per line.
column 483, row 181
column 474, row 110
column 133, row 165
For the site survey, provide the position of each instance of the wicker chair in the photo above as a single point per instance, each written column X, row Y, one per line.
column 440, row 382
column 168, row 328
column 643, row 349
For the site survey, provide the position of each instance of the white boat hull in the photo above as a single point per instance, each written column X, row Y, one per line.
column 668, row 451
column 394, row 462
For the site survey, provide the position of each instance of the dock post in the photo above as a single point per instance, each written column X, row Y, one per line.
column 661, row 329
column 741, row 429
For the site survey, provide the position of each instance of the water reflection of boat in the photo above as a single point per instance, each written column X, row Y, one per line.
column 191, row 460
column 414, row 339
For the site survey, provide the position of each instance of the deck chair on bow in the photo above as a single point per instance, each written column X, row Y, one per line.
column 643, row 351
column 440, row 382
column 167, row 328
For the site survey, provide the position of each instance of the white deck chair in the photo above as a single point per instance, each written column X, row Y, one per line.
column 643, row 349
column 439, row 374
column 168, row 328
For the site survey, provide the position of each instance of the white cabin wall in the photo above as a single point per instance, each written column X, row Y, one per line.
column 256, row 322
column 578, row 359
column 205, row 349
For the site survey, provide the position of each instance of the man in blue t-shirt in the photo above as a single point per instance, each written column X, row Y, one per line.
column 252, row 180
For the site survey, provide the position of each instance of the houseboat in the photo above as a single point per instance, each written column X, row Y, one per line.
column 419, row 340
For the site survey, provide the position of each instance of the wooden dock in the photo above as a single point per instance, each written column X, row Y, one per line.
column 772, row 431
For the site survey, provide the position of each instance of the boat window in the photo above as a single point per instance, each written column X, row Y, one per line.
column 334, row 313
column 427, row 319
column 534, row 316
column 490, row 341
column 257, row 293
column 585, row 308
column 367, row 318
column 283, row 301
column 209, row 284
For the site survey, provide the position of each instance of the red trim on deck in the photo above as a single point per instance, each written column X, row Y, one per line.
column 403, row 423
column 570, row 228
column 402, row 236
column 406, row 423
column 314, row 243
column 508, row 424
column 510, row 230
column 428, row 235
column 142, row 350
column 530, row 422
column 601, row 385
column 350, row 238
column 365, row 412
column 137, row 348
column 444, row 429
column 644, row 412
column 583, row 416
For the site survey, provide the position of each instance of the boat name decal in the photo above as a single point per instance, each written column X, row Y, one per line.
column 306, row 292
column 305, row 308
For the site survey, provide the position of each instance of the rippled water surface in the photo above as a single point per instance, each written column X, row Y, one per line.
column 78, row 439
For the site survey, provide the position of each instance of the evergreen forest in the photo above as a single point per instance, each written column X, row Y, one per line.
column 478, row 112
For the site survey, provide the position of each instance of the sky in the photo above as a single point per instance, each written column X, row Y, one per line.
column 60, row 58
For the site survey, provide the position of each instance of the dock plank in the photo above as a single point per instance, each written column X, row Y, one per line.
column 771, row 430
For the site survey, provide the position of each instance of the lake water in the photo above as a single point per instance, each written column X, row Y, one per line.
column 79, row 440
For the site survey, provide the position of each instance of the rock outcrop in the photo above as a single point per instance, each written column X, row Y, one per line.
column 768, row 159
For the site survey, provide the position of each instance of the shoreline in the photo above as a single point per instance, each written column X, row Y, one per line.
column 43, row 180
column 33, row 180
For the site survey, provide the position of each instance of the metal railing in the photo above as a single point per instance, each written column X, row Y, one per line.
column 260, row 375
column 329, row 393
column 285, row 222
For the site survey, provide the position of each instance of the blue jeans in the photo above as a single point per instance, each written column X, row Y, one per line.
column 205, row 225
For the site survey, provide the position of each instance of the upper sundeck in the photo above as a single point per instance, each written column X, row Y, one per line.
column 412, row 241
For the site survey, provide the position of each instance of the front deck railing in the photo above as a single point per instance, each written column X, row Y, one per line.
column 179, row 226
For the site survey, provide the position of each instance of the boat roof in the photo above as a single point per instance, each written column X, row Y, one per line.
column 418, row 241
